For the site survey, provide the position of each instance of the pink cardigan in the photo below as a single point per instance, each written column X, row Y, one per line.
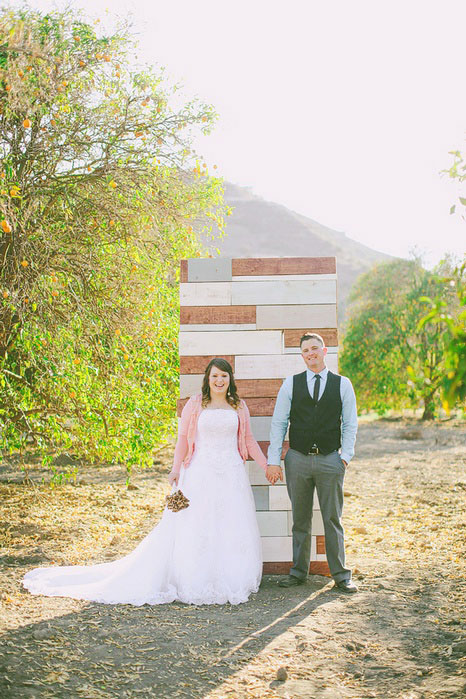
column 247, row 445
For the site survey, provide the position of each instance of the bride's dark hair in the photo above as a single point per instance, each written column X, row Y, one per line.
column 232, row 396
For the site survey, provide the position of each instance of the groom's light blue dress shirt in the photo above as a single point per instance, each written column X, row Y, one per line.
column 281, row 415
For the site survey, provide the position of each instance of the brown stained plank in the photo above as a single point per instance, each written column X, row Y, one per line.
column 319, row 568
column 283, row 568
column 190, row 315
column 251, row 390
column 265, row 445
column 284, row 265
column 258, row 407
column 320, row 544
column 258, row 388
column 198, row 364
column 183, row 271
column 261, row 407
column 329, row 335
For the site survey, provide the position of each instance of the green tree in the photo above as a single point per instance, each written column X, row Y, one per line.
column 101, row 195
column 451, row 323
column 393, row 361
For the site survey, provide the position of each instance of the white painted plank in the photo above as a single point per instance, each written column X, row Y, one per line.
column 283, row 292
column 278, row 497
column 236, row 342
column 260, row 426
column 215, row 327
column 209, row 270
column 297, row 316
column 190, row 384
column 274, row 366
column 272, row 523
column 277, row 548
column 205, row 294
column 283, row 277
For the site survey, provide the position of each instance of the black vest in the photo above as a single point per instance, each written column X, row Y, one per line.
column 315, row 423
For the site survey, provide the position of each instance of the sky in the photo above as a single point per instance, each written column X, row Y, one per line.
column 344, row 111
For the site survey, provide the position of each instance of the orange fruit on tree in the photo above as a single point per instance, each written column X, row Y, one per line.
column 82, row 63
column 54, row 292
column 27, row 123
column 8, row 88
column 113, row 184
column 76, row 360
column 6, row 228
column 106, row 57
column 5, row 294
column 24, row 263
column 77, row 39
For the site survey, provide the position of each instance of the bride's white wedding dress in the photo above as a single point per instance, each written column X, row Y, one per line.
column 208, row 553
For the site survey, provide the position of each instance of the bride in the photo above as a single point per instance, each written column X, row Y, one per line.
column 208, row 553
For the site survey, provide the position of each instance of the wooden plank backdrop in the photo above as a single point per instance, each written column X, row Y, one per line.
column 253, row 313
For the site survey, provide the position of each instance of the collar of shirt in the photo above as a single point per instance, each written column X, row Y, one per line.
column 322, row 374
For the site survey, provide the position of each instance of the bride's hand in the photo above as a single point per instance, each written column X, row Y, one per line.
column 173, row 478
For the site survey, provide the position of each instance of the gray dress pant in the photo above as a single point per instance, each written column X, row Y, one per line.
column 325, row 473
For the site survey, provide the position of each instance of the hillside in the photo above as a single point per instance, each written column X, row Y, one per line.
column 260, row 228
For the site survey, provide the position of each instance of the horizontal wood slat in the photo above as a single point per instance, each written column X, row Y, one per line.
column 261, row 407
column 284, row 265
column 258, row 388
column 258, row 407
column 265, row 445
column 320, row 545
column 183, row 271
column 329, row 335
column 217, row 314
column 197, row 364
column 284, row 567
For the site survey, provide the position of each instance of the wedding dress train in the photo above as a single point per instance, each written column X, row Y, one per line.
column 208, row 553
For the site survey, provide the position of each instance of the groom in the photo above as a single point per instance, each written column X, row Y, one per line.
column 320, row 407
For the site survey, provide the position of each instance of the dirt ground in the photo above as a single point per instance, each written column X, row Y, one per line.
column 400, row 636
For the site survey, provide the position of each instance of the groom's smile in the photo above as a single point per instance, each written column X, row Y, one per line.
column 313, row 354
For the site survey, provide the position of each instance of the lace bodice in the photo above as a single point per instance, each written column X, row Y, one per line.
column 217, row 435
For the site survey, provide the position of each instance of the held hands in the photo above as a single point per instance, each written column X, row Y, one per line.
column 173, row 478
column 273, row 474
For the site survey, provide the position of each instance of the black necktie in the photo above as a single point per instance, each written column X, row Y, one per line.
column 316, row 387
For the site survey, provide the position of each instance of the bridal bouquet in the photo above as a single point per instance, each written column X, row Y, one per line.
column 177, row 501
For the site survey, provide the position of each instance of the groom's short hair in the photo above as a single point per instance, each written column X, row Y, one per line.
column 312, row 336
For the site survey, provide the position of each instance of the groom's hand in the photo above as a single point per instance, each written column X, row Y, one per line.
column 273, row 474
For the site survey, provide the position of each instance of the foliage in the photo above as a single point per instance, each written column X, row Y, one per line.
column 393, row 360
column 100, row 193
column 452, row 327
